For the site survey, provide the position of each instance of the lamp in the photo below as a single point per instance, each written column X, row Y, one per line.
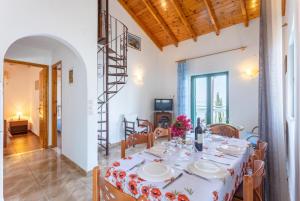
column 19, row 115
column 250, row 73
column 139, row 76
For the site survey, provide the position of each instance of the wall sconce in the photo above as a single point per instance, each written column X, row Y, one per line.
column 250, row 73
column 138, row 76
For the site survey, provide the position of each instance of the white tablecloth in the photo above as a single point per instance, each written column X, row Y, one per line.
column 188, row 187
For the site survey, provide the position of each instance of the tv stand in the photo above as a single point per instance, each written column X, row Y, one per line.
column 163, row 119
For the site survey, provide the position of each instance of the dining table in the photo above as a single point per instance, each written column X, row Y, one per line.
column 180, row 160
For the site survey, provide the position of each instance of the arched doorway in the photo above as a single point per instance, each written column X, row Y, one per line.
column 49, row 51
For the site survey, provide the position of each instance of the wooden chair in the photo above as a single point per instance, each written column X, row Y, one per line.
column 261, row 149
column 134, row 139
column 142, row 123
column 162, row 132
column 251, row 189
column 104, row 191
column 129, row 127
column 224, row 130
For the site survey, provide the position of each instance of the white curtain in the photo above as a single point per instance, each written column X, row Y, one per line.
column 271, row 117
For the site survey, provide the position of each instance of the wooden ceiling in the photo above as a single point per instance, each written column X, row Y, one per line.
column 171, row 21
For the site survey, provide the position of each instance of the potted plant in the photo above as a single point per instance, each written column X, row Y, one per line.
column 181, row 126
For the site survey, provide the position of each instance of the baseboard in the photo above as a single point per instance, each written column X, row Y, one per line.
column 72, row 163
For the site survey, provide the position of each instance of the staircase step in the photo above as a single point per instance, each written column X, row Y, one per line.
column 117, row 66
column 110, row 51
column 101, row 122
column 102, row 41
column 101, row 131
column 100, row 102
column 115, row 83
column 115, row 58
column 118, row 74
column 112, row 92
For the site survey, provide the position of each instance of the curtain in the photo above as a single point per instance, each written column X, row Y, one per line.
column 271, row 119
column 181, row 87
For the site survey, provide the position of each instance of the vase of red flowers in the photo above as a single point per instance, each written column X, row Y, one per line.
column 181, row 126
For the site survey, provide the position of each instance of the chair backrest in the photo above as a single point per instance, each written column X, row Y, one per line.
column 145, row 123
column 134, row 139
column 252, row 184
column 262, row 149
column 104, row 191
column 162, row 132
column 225, row 130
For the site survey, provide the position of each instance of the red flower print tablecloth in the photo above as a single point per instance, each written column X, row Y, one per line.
column 188, row 187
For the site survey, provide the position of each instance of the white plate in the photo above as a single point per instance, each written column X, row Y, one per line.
column 217, row 138
column 204, row 166
column 155, row 172
column 231, row 149
column 215, row 174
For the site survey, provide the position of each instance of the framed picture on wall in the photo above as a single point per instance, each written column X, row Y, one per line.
column 134, row 41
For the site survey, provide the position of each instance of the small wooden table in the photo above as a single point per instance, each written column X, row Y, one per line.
column 18, row 126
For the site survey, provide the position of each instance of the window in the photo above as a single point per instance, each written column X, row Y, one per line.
column 209, row 98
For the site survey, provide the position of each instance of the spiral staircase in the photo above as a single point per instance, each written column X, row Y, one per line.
column 111, row 70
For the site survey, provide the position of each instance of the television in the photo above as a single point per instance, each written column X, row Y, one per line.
column 163, row 104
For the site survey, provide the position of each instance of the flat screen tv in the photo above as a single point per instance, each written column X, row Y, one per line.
column 163, row 104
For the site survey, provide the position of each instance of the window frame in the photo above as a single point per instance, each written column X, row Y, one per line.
column 208, row 77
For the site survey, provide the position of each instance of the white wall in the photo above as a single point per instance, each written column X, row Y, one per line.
column 74, row 110
column 75, row 24
column 243, row 93
column 20, row 94
column 135, row 97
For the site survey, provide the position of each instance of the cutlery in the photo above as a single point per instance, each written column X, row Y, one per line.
column 236, row 156
column 152, row 154
column 137, row 165
column 215, row 161
column 220, row 156
column 190, row 173
column 172, row 181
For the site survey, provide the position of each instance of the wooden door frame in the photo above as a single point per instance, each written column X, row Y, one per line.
column 43, row 66
column 54, row 102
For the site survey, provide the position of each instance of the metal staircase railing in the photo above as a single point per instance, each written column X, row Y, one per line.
column 111, row 69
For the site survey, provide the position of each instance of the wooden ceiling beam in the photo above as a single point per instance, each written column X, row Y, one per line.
column 212, row 16
column 140, row 23
column 283, row 7
column 184, row 19
column 244, row 13
column 160, row 20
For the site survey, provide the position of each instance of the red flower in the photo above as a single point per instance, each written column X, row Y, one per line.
column 119, row 186
column 226, row 197
column 133, row 187
column 116, row 164
column 133, row 176
column 155, row 192
column 145, row 190
column 108, row 173
column 122, row 174
column 170, row 196
column 157, row 160
column 215, row 196
column 181, row 125
column 140, row 179
column 115, row 174
column 182, row 197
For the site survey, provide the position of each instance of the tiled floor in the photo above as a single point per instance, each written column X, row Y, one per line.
column 43, row 175
column 22, row 143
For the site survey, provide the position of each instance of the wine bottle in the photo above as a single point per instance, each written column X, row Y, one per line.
column 199, row 136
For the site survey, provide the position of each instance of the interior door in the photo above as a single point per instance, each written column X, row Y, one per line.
column 54, row 105
column 43, row 108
